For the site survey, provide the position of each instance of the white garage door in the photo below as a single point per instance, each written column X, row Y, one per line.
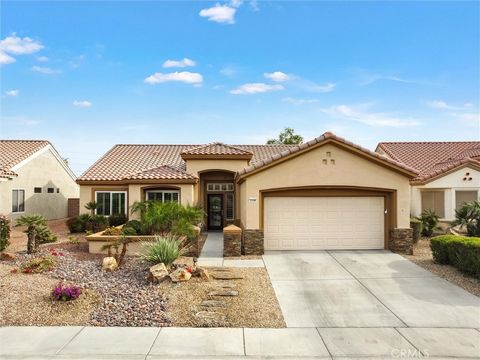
column 317, row 223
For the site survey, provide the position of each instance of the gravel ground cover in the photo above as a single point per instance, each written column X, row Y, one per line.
column 422, row 256
column 255, row 306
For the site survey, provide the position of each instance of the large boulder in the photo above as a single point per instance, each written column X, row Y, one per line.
column 180, row 274
column 109, row 264
column 158, row 273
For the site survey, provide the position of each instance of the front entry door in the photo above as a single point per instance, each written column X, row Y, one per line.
column 215, row 212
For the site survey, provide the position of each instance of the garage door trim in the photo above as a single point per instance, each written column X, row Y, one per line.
column 389, row 196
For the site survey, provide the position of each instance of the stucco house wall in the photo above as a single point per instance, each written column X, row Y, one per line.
column 195, row 166
column 308, row 170
column 449, row 183
column 43, row 170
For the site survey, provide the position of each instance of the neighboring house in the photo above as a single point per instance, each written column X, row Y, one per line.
column 34, row 179
column 448, row 173
column 324, row 194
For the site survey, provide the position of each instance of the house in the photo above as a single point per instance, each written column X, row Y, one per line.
column 448, row 173
column 34, row 179
column 327, row 193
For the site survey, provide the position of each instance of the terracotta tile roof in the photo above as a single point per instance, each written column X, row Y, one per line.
column 7, row 174
column 326, row 136
column 125, row 160
column 164, row 172
column 12, row 152
column 216, row 148
column 432, row 159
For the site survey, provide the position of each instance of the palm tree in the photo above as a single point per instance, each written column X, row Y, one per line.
column 34, row 224
column 92, row 206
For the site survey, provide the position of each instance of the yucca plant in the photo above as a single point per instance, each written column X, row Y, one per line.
column 164, row 249
column 468, row 216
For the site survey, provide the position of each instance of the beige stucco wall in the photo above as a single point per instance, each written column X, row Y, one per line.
column 449, row 183
column 44, row 170
column 196, row 166
column 134, row 193
column 308, row 170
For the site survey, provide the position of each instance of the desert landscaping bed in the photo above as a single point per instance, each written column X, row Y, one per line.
column 422, row 256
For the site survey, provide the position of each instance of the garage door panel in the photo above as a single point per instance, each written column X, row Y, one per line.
column 317, row 223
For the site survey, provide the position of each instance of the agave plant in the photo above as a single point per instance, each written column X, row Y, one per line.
column 468, row 216
column 165, row 249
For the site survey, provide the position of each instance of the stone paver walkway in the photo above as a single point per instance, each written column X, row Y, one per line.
column 236, row 343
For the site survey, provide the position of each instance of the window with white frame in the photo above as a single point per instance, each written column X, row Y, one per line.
column 163, row 195
column 18, row 200
column 111, row 202
column 220, row 187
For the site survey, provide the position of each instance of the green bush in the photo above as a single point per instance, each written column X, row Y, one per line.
column 429, row 221
column 112, row 231
column 416, row 226
column 459, row 251
column 165, row 249
column 129, row 231
column 117, row 219
column 135, row 224
column 78, row 224
column 469, row 217
column 4, row 232
column 96, row 223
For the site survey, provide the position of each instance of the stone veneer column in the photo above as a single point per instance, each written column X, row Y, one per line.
column 401, row 241
column 252, row 242
column 232, row 241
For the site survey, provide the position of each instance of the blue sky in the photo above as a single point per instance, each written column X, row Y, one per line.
column 88, row 75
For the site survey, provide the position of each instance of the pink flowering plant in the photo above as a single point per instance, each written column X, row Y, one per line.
column 64, row 292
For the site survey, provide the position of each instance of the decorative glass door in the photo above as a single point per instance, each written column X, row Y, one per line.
column 215, row 211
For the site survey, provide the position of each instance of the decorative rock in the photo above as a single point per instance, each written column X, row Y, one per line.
column 158, row 273
column 6, row 256
column 213, row 303
column 228, row 286
column 109, row 264
column 210, row 318
column 227, row 277
column 180, row 275
column 223, row 293
column 202, row 273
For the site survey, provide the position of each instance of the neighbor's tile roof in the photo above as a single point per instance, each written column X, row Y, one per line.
column 124, row 160
column 12, row 152
column 328, row 135
column 216, row 148
column 432, row 159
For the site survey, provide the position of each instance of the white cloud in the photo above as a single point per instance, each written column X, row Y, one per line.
column 220, row 13
column 183, row 76
column 45, row 70
column 255, row 88
column 185, row 62
column 442, row 105
column 14, row 45
column 369, row 118
column 229, row 71
column 82, row 104
column 299, row 101
column 254, row 5
column 12, row 92
column 42, row 59
column 469, row 118
column 314, row 87
column 277, row 76
column 367, row 78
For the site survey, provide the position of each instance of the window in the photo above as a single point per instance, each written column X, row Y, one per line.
column 18, row 201
column 37, row 190
column 220, row 187
column 111, row 202
column 58, row 190
column 230, row 206
column 50, row 190
column 163, row 195
column 462, row 197
column 434, row 200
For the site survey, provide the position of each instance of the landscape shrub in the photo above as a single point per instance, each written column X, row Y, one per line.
column 416, row 226
column 37, row 231
column 63, row 292
column 169, row 217
column 165, row 249
column 117, row 219
column 135, row 224
column 77, row 224
column 129, row 231
column 112, row 231
column 459, row 251
column 468, row 216
column 4, row 232
column 96, row 223
column 429, row 221
column 38, row 265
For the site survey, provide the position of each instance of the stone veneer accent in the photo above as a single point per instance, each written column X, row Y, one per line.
column 252, row 242
column 401, row 241
column 232, row 241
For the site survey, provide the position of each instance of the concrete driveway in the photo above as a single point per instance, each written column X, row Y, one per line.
column 372, row 289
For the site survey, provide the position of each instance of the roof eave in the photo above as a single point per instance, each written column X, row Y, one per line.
column 136, row 181
column 247, row 157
